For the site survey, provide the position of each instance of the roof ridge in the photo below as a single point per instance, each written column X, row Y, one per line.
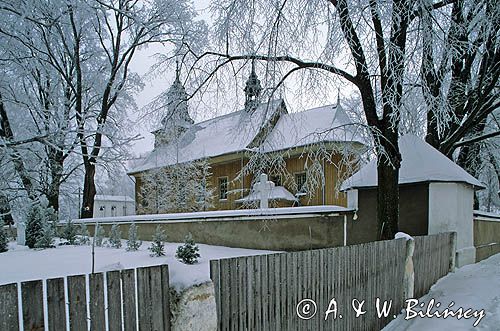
column 236, row 112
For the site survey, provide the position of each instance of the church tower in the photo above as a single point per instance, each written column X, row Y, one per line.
column 177, row 120
column 252, row 90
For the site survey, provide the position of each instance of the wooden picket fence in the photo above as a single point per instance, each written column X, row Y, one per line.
column 433, row 257
column 266, row 292
column 148, row 287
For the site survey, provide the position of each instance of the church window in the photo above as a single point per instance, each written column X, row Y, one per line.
column 300, row 180
column 223, row 188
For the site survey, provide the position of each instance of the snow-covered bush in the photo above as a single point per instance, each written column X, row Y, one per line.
column 115, row 236
column 157, row 247
column 37, row 217
column 46, row 239
column 83, row 235
column 69, row 232
column 133, row 243
column 99, row 235
column 188, row 253
column 3, row 239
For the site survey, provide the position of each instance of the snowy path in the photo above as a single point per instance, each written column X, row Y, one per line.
column 21, row 264
column 474, row 286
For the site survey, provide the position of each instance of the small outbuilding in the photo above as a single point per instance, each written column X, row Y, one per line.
column 436, row 195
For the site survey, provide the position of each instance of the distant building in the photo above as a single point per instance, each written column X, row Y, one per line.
column 435, row 195
column 113, row 205
column 231, row 141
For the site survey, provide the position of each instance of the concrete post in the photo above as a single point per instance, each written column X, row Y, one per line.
column 453, row 253
column 409, row 276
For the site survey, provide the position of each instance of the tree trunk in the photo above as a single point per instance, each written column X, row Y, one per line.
column 56, row 161
column 470, row 158
column 88, row 191
column 5, row 210
column 388, row 194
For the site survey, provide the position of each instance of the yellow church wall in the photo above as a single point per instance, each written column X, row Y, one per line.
column 294, row 165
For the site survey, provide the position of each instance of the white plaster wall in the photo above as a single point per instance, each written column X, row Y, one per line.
column 451, row 209
column 352, row 198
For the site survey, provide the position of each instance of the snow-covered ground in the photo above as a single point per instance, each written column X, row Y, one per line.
column 21, row 263
column 475, row 286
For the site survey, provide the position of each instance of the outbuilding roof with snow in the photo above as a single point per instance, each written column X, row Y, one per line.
column 269, row 126
column 420, row 163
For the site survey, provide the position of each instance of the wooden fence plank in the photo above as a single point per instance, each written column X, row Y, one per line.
column 250, row 293
column 77, row 303
column 215, row 276
column 144, row 300
column 242, row 293
column 165, row 286
column 128, row 293
column 114, row 301
column 32, row 303
column 234, row 302
column 96, row 303
column 9, row 318
column 56, row 306
column 156, row 298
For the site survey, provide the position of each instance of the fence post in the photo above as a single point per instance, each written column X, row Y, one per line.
column 453, row 253
column 409, row 275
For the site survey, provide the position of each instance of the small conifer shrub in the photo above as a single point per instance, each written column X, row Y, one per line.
column 188, row 253
column 115, row 236
column 133, row 243
column 157, row 247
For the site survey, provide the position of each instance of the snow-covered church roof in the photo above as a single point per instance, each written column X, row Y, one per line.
column 238, row 131
column 221, row 135
column 322, row 124
column 420, row 163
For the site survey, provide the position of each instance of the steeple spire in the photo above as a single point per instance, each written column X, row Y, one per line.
column 176, row 119
column 177, row 70
column 252, row 90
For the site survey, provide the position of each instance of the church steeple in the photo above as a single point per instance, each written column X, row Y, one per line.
column 252, row 90
column 176, row 120
column 177, row 107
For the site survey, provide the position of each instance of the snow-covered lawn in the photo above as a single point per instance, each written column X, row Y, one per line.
column 475, row 286
column 21, row 263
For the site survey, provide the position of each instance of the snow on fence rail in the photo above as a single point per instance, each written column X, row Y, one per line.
column 267, row 292
column 142, row 295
